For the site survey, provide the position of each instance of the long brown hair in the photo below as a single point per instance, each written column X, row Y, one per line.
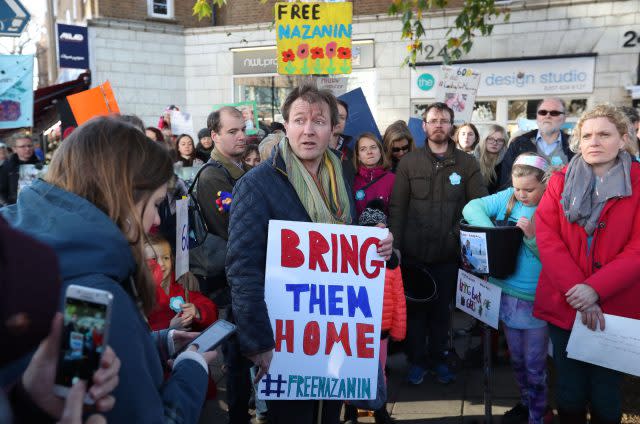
column 456, row 136
column 383, row 162
column 115, row 166
column 396, row 132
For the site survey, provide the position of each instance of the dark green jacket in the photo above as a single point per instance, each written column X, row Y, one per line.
column 427, row 201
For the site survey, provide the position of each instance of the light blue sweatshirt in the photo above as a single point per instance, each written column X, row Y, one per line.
column 480, row 212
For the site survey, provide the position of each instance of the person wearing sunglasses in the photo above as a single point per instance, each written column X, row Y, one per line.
column 548, row 140
column 397, row 142
column 10, row 169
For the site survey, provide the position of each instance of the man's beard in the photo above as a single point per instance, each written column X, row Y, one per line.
column 439, row 139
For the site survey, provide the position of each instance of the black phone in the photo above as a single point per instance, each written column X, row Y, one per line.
column 211, row 337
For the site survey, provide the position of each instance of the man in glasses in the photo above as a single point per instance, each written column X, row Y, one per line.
column 431, row 188
column 548, row 140
column 10, row 169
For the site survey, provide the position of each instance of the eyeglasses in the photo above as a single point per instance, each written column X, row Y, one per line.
column 26, row 146
column 400, row 149
column 495, row 140
column 442, row 122
column 544, row 112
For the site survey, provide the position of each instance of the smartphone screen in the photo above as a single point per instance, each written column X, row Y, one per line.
column 83, row 338
column 212, row 336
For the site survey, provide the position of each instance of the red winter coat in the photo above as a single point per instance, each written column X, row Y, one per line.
column 394, row 308
column 380, row 189
column 612, row 266
column 162, row 314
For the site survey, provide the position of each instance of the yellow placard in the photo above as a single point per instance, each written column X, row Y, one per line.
column 313, row 38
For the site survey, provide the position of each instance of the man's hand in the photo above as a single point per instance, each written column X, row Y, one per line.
column 528, row 227
column 593, row 315
column 385, row 247
column 581, row 296
column 263, row 361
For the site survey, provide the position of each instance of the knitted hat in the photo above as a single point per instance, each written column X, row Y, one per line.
column 204, row 133
column 373, row 214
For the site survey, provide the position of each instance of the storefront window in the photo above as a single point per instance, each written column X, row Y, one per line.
column 527, row 108
column 269, row 93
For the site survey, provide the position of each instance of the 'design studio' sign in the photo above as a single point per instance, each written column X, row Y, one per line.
column 314, row 38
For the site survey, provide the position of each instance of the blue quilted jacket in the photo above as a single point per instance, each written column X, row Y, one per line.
column 262, row 194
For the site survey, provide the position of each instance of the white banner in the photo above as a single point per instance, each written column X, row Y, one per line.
column 478, row 298
column 182, row 237
column 182, row 123
column 544, row 77
column 457, row 89
column 323, row 288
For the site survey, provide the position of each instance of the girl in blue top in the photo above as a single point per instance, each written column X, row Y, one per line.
column 527, row 336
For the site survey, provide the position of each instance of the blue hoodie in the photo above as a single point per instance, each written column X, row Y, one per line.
column 93, row 252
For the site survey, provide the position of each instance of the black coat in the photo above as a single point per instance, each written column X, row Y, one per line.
column 262, row 194
column 521, row 144
column 9, row 176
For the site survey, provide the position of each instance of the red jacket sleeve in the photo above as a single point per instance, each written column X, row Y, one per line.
column 207, row 309
column 557, row 263
column 399, row 316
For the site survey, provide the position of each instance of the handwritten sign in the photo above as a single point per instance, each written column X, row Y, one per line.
column 457, row 88
column 323, row 288
column 182, row 237
column 616, row 347
column 478, row 298
column 313, row 38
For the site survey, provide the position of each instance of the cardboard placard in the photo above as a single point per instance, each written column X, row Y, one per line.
column 323, row 288
column 457, row 88
column 98, row 101
column 313, row 38
column 182, row 237
column 478, row 298
column 360, row 117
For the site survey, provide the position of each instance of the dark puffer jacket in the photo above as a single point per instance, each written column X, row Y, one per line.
column 427, row 201
column 522, row 144
column 9, row 176
column 263, row 193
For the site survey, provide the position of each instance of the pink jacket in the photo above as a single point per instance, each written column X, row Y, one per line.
column 380, row 189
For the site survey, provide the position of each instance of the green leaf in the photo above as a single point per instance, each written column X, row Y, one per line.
column 202, row 9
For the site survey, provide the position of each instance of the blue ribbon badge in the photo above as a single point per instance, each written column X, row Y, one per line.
column 556, row 161
column 455, row 178
column 175, row 303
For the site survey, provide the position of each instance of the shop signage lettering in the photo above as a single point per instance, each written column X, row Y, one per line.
column 314, row 38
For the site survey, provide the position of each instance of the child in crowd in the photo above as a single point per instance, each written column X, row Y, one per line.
column 186, row 151
column 251, row 155
column 527, row 337
column 466, row 137
column 176, row 306
column 394, row 308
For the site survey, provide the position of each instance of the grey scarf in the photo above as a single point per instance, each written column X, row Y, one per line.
column 585, row 194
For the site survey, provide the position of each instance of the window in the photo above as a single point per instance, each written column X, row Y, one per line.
column 160, row 8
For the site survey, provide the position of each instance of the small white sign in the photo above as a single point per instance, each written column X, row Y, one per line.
column 478, row 298
column 616, row 347
column 182, row 123
column 473, row 251
column 457, row 89
column 323, row 288
column 337, row 85
column 182, row 237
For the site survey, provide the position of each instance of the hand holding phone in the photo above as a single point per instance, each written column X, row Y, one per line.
column 211, row 338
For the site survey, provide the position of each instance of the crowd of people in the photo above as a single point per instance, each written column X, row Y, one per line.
column 104, row 217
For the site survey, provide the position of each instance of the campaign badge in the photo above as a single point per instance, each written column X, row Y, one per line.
column 455, row 178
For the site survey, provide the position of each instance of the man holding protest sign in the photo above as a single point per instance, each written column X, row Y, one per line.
column 431, row 188
column 303, row 182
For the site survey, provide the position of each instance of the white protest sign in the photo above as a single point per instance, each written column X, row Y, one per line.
column 182, row 237
column 182, row 123
column 616, row 347
column 457, row 88
column 337, row 85
column 478, row 298
column 473, row 250
column 323, row 288
column 29, row 173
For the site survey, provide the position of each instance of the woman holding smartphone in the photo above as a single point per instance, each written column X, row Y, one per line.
column 94, row 208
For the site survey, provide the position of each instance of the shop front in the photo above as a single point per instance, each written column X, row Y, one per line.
column 509, row 90
column 255, row 77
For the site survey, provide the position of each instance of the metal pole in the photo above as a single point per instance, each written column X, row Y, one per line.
column 486, row 340
column 52, row 57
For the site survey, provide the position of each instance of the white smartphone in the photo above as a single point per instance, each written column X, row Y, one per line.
column 212, row 336
column 87, row 314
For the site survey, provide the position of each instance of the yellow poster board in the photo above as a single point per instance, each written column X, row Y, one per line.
column 313, row 38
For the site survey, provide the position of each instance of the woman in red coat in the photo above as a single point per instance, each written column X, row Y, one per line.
column 373, row 180
column 588, row 235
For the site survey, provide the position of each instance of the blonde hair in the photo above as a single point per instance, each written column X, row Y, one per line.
column 266, row 145
column 383, row 162
column 488, row 161
column 396, row 132
column 605, row 110
column 116, row 167
column 521, row 170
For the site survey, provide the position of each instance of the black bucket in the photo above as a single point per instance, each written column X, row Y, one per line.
column 497, row 257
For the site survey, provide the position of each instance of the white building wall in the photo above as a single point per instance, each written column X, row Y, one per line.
column 151, row 66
